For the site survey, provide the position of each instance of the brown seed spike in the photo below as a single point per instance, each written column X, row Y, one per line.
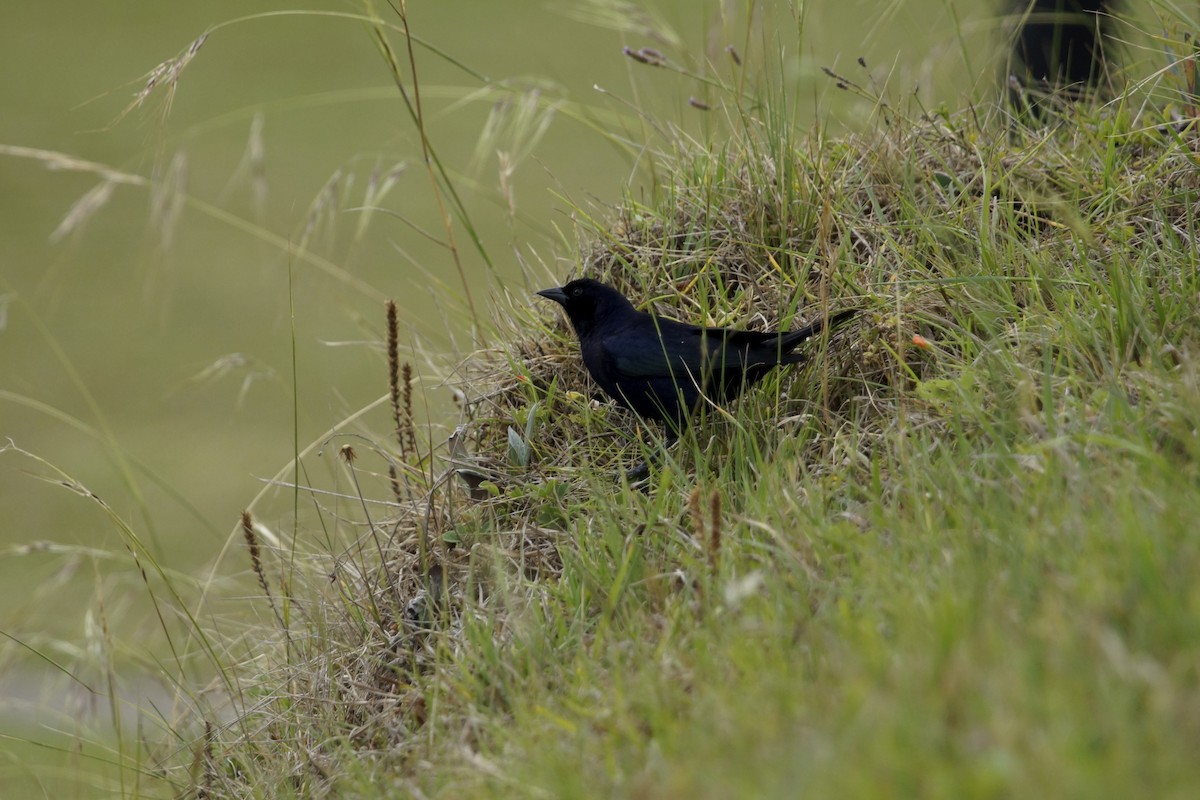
column 348, row 454
column 714, row 538
column 733, row 53
column 400, row 379
column 394, row 480
column 694, row 513
column 251, row 541
column 256, row 562
column 393, row 357
column 410, row 432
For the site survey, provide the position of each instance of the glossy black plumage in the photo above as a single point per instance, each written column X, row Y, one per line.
column 659, row 368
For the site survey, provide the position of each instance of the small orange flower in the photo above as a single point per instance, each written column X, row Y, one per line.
column 920, row 341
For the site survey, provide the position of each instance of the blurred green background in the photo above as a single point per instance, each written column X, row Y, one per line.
column 147, row 351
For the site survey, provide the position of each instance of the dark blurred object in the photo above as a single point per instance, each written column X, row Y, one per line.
column 1060, row 52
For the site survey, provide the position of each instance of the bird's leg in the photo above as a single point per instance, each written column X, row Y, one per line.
column 642, row 471
column 639, row 473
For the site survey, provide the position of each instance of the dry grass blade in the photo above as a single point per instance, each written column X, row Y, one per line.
column 83, row 210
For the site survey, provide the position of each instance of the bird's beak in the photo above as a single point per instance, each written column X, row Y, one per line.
column 556, row 294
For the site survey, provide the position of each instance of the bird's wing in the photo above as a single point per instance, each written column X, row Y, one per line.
column 686, row 352
column 741, row 349
column 656, row 348
column 646, row 357
column 651, row 347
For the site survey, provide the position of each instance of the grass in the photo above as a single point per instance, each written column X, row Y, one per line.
column 950, row 557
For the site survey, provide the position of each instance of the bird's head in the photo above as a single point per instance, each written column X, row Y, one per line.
column 586, row 302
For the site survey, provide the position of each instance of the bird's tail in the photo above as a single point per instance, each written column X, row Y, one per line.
column 790, row 341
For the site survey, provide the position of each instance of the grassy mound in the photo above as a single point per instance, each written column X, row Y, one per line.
column 951, row 556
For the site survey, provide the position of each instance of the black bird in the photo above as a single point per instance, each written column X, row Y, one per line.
column 659, row 368
column 1060, row 51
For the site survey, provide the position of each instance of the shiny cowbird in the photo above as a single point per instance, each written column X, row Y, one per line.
column 659, row 368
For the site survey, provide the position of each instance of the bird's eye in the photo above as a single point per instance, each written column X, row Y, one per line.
column 577, row 291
